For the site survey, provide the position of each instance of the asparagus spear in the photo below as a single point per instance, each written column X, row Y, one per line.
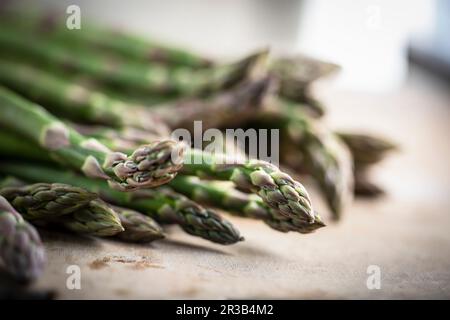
column 21, row 251
column 46, row 200
column 126, row 45
column 148, row 166
column 13, row 146
column 82, row 104
column 163, row 205
column 276, row 188
column 235, row 105
column 138, row 227
column 61, row 204
column 193, row 218
column 367, row 149
column 75, row 101
column 312, row 147
column 296, row 74
column 120, row 139
column 150, row 78
column 96, row 219
column 241, row 204
column 307, row 103
column 89, row 216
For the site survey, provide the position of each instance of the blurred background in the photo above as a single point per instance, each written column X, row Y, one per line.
column 370, row 39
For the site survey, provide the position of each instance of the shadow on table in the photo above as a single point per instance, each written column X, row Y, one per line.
column 10, row 289
column 175, row 244
column 66, row 237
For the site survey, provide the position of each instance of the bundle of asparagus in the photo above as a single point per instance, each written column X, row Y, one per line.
column 85, row 123
column 81, row 211
column 149, row 165
column 164, row 205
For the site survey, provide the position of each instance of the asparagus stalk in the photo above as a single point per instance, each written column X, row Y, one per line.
column 302, row 69
column 75, row 101
column 61, row 204
column 163, row 205
column 296, row 74
column 96, row 219
column 150, row 78
column 367, row 149
column 121, row 43
column 138, row 227
column 313, row 148
column 172, row 207
column 148, row 166
column 307, row 103
column 235, row 105
column 21, row 251
column 13, row 147
column 82, row 104
column 89, row 215
column 46, row 200
column 241, row 204
column 120, row 139
column 276, row 188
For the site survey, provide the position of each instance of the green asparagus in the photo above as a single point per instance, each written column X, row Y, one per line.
column 148, row 166
column 306, row 144
column 217, row 110
column 96, row 219
column 13, row 146
column 75, row 101
column 149, row 78
column 82, row 104
column 367, row 149
column 61, row 204
column 163, row 205
column 242, row 204
column 296, row 73
column 309, row 104
column 21, row 251
column 46, row 200
column 129, row 46
column 138, row 227
column 119, row 139
column 277, row 189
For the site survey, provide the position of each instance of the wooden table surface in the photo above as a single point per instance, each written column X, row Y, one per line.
column 406, row 233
